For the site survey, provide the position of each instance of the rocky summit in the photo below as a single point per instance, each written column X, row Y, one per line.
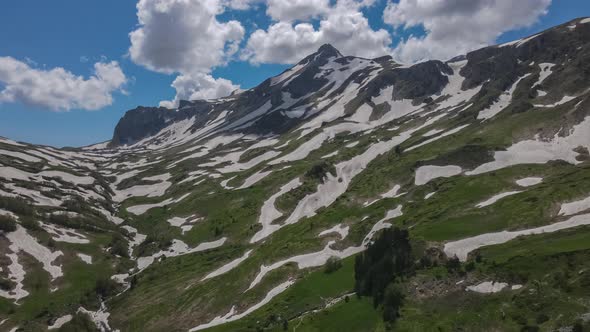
column 345, row 194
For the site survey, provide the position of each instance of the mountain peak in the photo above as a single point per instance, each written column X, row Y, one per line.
column 323, row 53
column 328, row 51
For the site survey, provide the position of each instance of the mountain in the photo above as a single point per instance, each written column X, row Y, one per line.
column 467, row 180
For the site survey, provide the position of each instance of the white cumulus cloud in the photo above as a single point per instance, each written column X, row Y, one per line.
column 185, row 37
column 199, row 86
column 290, row 10
column 58, row 89
column 454, row 27
column 343, row 25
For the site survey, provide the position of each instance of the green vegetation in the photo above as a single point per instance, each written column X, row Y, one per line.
column 15, row 205
column 333, row 264
column 7, row 224
column 386, row 261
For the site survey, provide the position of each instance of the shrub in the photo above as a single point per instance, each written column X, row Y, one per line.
column 319, row 171
column 119, row 246
column 392, row 302
column 6, row 284
column 16, row 205
column 384, row 261
column 542, row 318
column 332, row 265
column 7, row 224
column 105, row 287
column 30, row 224
column 453, row 265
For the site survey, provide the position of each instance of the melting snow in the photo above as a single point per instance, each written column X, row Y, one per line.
column 320, row 258
column 138, row 238
column 433, row 132
column 254, row 178
column 334, row 186
column 229, row 266
column 425, row 174
column 85, row 258
column 436, row 138
column 496, row 198
column 20, row 155
column 453, row 89
column 390, row 194
column 503, row 101
column 150, row 190
column 488, row 287
column 100, row 318
column 352, row 145
column 462, row 248
column 339, row 229
column 563, row 100
column 22, row 241
column 64, row 235
column 329, row 155
column 178, row 248
column 17, row 275
column 529, row 182
column 232, row 316
column 568, row 209
column 60, row 322
column 269, row 212
column 545, row 72
column 540, row 152
column 141, row 209
column 519, row 42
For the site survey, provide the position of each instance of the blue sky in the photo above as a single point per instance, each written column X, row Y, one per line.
column 74, row 34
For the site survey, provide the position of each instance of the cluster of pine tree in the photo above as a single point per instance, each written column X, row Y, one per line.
column 378, row 269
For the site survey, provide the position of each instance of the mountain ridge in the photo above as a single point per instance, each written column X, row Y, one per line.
column 420, row 73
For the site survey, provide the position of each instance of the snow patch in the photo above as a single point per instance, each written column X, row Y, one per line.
column 61, row 321
column 85, row 258
column 488, row 287
column 571, row 208
column 529, row 182
column 563, row 100
column 178, row 248
column 60, row 234
column 141, row 209
column 232, row 316
column 425, row 174
column 496, row 198
column 269, row 212
column 538, row 151
column 436, row 138
column 462, row 248
column 229, row 266
column 503, row 101
column 339, row 229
